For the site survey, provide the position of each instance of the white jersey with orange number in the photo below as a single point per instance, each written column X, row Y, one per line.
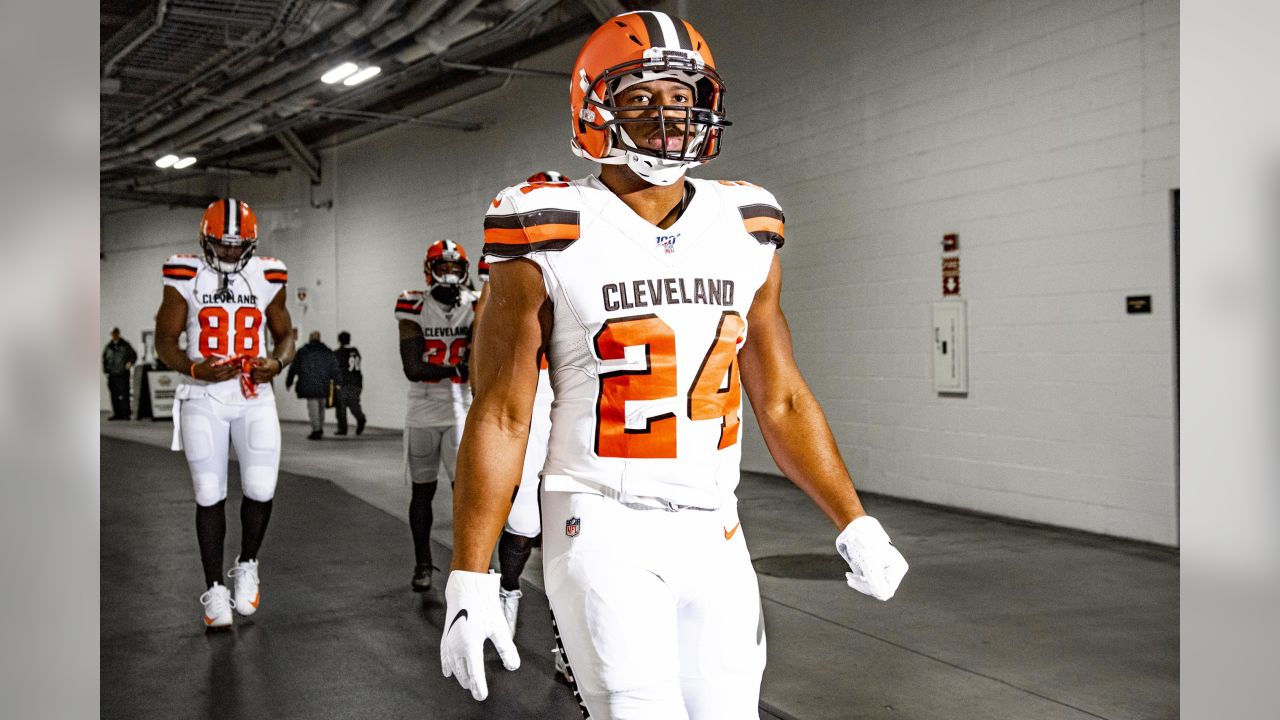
column 228, row 321
column 447, row 335
column 647, row 327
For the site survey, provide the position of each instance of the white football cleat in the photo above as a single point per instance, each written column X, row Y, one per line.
column 217, row 606
column 510, row 606
column 245, row 575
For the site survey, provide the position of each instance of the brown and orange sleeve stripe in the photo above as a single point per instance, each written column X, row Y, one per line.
column 179, row 271
column 279, row 276
column 766, row 223
column 409, row 304
column 522, row 233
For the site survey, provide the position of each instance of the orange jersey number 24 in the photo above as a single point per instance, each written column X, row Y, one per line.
column 716, row 391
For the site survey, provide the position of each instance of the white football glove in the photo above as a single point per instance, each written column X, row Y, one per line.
column 877, row 565
column 473, row 614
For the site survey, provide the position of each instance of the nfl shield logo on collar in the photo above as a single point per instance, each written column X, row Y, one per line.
column 571, row 526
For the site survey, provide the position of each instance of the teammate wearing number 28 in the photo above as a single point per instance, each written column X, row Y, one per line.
column 657, row 300
column 435, row 338
column 224, row 301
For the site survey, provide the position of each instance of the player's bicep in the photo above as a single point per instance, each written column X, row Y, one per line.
column 171, row 318
column 278, row 320
column 516, row 320
column 409, row 330
column 768, row 367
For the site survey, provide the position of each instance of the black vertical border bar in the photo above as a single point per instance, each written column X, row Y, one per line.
column 1175, row 286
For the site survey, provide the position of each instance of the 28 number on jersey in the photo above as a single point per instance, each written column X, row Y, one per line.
column 716, row 392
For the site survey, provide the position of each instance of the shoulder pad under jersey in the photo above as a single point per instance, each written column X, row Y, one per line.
column 409, row 303
column 181, row 267
column 532, row 217
column 273, row 270
column 761, row 214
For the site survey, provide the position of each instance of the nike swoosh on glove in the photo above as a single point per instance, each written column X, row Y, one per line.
column 877, row 565
column 473, row 614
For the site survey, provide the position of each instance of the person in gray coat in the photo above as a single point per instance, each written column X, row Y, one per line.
column 316, row 370
column 118, row 358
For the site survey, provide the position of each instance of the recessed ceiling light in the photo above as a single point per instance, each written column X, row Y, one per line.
column 185, row 162
column 166, row 161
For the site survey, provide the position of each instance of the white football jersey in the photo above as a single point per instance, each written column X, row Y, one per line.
column 647, row 327
column 447, row 332
column 225, row 322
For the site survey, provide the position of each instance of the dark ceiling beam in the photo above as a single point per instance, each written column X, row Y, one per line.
column 519, row 72
column 157, row 198
column 299, row 152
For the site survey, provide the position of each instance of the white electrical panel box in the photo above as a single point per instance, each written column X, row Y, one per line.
column 950, row 348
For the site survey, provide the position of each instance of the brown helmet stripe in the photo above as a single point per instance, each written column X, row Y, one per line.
column 653, row 28
column 682, row 33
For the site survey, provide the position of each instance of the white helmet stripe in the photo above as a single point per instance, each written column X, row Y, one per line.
column 669, row 37
column 232, row 224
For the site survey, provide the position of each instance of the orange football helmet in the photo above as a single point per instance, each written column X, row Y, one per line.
column 439, row 256
column 639, row 47
column 228, row 235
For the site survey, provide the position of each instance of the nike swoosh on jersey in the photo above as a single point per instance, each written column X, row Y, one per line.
column 728, row 534
column 461, row 615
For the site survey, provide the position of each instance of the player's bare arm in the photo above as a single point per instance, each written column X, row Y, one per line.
column 280, row 325
column 517, row 318
column 791, row 420
column 171, row 321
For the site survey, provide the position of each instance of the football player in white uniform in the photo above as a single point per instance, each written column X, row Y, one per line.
column 435, row 340
column 224, row 301
column 642, row 285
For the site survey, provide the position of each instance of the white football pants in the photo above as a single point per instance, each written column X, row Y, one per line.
column 209, row 426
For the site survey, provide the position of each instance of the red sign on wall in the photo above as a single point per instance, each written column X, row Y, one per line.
column 950, row 276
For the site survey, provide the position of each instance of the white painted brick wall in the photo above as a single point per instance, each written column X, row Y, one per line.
column 1044, row 132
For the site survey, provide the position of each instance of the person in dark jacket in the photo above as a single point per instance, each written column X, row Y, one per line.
column 118, row 358
column 315, row 367
column 348, row 396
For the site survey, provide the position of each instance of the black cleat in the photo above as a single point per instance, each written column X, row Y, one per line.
column 421, row 578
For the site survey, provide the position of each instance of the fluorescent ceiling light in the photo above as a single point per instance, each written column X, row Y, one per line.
column 363, row 75
column 338, row 73
column 166, row 161
column 185, row 162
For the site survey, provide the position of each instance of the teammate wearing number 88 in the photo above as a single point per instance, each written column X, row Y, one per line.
column 224, row 301
column 435, row 340
column 656, row 298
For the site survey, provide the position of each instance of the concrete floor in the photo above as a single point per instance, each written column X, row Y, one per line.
column 994, row 620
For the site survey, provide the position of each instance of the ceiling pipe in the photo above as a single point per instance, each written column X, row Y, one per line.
column 419, row 15
column 296, row 60
column 550, row 74
column 453, row 28
column 450, row 30
column 299, row 152
column 241, row 64
column 162, row 8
